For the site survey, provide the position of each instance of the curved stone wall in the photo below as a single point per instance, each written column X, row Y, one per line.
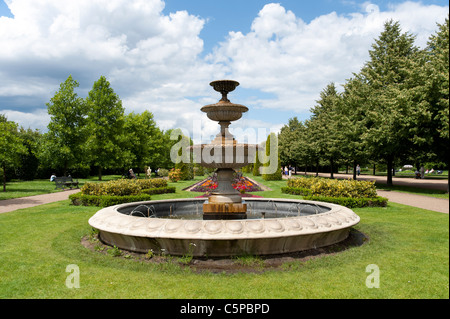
column 225, row 237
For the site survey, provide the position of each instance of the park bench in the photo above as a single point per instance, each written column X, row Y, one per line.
column 63, row 182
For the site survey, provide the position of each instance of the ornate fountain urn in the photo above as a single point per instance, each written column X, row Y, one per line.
column 225, row 154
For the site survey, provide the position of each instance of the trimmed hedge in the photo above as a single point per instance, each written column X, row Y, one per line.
column 80, row 199
column 296, row 191
column 349, row 193
column 335, row 187
column 159, row 190
column 122, row 187
column 120, row 191
column 351, row 202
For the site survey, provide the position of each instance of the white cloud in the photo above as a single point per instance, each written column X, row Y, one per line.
column 153, row 60
column 295, row 61
column 149, row 58
column 37, row 119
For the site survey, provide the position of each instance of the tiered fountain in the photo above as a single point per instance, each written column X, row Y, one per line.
column 225, row 202
column 223, row 225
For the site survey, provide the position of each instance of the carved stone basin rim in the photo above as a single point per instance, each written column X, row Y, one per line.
column 109, row 219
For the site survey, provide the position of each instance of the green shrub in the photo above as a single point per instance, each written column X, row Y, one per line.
column 122, row 187
column 348, row 193
column 152, row 183
column 163, row 172
column 80, row 199
column 296, row 191
column 351, row 202
column 335, row 187
column 159, row 190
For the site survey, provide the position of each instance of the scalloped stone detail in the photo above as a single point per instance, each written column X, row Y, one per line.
column 333, row 220
column 308, row 223
column 155, row 224
column 274, row 225
column 255, row 226
column 193, row 226
column 213, row 227
column 235, row 227
column 138, row 224
column 322, row 221
column 293, row 224
column 173, row 226
column 225, row 237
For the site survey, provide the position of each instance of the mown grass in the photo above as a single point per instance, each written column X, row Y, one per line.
column 409, row 245
column 17, row 188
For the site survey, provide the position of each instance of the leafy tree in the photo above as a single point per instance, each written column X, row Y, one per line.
column 11, row 147
column 63, row 145
column 143, row 139
column 430, row 96
column 166, row 143
column 29, row 161
column 325, row 125
column 287, row 142
column 106, row 142
column 387, row 110
column 352, row 122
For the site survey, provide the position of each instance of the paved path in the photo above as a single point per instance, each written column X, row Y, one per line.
column 9, row 205
column 421, row 201
column 425, row 202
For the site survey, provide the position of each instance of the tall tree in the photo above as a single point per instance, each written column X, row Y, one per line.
column 388, row 113
column 64, row 142
column 105, row 124
column 144, row 140
column 11, row 146
column 325, row 123
column 352, row 122
column 29, row 161
column 430, row 96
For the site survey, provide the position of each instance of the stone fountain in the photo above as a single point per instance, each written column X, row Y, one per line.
column 225, row 202
column 223, row 225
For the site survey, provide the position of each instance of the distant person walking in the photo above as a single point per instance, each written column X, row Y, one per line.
column 358, row 170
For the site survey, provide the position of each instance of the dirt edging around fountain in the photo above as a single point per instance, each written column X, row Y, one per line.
column 245, row 264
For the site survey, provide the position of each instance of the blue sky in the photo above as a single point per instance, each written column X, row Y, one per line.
column 161, row 55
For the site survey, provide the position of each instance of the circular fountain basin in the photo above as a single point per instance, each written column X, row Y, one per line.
column 176, row 227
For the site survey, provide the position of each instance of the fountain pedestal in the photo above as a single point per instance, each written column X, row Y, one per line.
column 225, row 202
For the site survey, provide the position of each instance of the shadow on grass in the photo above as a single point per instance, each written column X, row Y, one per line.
column 239, row 264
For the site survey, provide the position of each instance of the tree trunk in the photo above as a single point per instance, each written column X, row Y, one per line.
column 4, row 178
column 354, row 170
column 99, row 173
column 389, row 170
column 332, row 168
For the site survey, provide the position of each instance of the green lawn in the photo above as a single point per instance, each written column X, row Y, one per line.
column 16, row 188
column 410, row 246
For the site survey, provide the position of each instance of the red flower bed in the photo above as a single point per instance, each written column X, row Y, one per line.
column 240, row 183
